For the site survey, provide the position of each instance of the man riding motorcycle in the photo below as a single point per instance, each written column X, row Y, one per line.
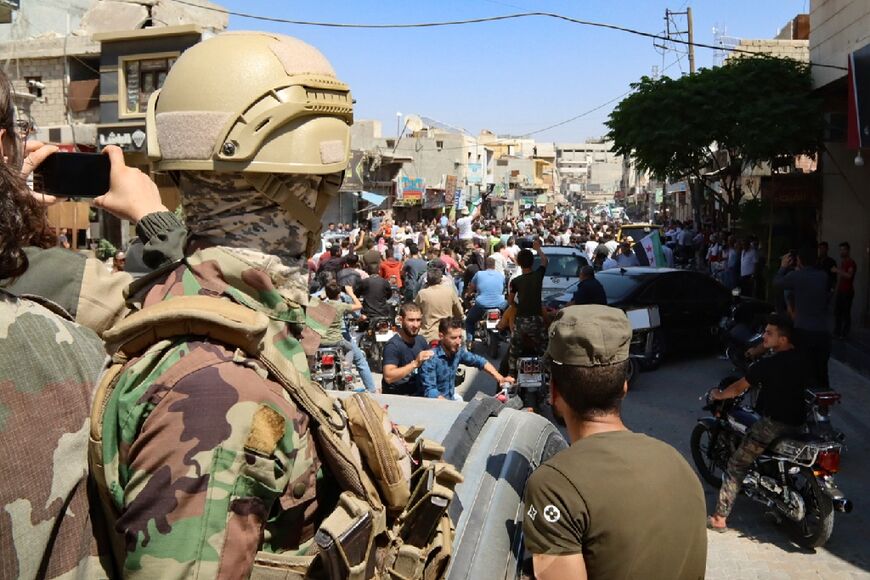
column 487, row 287
column 781, row 379
column 525, row 294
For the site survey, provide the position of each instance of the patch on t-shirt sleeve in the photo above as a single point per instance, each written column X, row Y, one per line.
column 554, row 515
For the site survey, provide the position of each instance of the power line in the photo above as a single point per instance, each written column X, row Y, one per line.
column 560, row 123
column 478, row 21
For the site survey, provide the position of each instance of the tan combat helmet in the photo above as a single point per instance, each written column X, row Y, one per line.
column 259, row 104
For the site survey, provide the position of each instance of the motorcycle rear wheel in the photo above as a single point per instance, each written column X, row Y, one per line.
column 632, row 370
column 815, row 529
column 492, row 344
column 376, row 357
column 706, row 458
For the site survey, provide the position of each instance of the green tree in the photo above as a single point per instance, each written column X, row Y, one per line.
column 717, row 123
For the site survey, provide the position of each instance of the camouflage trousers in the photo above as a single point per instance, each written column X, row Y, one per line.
column 529, row 338
column 758, row 437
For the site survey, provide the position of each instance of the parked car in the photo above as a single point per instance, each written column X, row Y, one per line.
column 690, row 305
column 563, row 267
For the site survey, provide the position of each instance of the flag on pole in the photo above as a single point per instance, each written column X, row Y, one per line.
column 652, row 245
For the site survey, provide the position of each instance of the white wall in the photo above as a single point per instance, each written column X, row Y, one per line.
column 846, row 216
column 39, row 17
column 837, row 28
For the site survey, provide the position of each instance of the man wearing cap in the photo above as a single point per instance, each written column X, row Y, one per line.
column 615, row 504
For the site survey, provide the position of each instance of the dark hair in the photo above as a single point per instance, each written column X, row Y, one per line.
column 11, row 144
column 23, row 220
column 823, row 243
column 845, row 245
column 525, row 258
column 783, row 325
column 587, row 271
column 408, row 307
column 412, row 248
column 332, row 290
column 446, row 324
column 808, row 256
column 434, row 276
column 489, row 263
column 335, row 251
column 591, row 391
column 373, row 269
column 351, row 260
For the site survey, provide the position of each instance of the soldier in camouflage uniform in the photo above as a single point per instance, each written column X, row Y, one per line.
column 206, row 459
column 48, row 369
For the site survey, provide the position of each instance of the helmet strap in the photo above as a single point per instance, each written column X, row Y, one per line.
column 271, row 186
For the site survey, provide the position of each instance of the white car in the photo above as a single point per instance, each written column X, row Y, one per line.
column 563, row 269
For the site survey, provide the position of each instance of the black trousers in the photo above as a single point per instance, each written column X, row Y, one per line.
column 843, row 313
column 816, row 346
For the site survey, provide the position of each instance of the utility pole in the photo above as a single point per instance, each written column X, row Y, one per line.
column 670, row 33
column 691, row 31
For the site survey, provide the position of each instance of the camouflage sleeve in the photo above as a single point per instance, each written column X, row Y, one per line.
column 209, row 468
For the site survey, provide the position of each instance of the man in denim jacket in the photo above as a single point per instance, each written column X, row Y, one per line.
column 438, row 374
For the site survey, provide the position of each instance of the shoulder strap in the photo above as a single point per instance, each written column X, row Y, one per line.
column 227, row 322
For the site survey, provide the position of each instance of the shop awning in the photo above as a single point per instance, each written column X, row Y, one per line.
column 372, row 198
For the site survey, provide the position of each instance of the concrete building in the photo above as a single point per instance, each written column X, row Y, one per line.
column 434, row 161
column 792, row 42
column 589, row 171
column 70, row 60
column 840, row 30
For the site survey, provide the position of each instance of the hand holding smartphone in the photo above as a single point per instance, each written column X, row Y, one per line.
column 102, row 178
column 79, row 175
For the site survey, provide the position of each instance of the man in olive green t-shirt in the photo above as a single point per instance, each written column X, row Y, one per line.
column 615, row 504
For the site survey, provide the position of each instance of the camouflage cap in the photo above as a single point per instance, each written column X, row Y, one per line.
column 589, row 336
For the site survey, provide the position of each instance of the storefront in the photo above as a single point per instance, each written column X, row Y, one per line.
column 134, row 64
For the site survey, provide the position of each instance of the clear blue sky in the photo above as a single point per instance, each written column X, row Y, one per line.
column 511, row 77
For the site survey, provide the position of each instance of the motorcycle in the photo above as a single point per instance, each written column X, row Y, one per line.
column 743, row 327
column 487, row 331
column 794, row 477
column 328, row 370
column 532, row 386
column 375, row 334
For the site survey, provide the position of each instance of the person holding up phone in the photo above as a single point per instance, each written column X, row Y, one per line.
column 49, row 367
column 80, row 285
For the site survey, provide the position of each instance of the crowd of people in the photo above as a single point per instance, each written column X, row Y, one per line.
column 203, row 450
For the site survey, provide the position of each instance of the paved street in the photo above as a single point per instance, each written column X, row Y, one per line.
column 665, row 404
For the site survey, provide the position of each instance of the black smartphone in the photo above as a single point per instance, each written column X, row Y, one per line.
column 73, row 175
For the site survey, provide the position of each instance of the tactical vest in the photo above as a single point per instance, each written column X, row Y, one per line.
column 391, row 519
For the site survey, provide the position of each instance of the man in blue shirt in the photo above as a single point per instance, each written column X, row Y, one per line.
column 438, row 374
column 488, row 288
column 405, row 353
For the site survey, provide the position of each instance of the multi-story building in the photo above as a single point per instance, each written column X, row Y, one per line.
column 589, row 172
column 839, row 39
column 70, row 61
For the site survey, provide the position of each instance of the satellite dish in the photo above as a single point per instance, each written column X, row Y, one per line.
column 413, row 123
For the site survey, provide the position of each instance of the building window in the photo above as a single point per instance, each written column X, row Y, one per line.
column 140, row 76
column 34, row 86
column 391, row 143
column 439, row 145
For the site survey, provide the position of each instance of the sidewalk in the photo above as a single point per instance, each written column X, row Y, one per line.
column 854, row 351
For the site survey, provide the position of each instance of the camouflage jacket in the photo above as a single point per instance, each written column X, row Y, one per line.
column 48, row 370
column 206, row 459
column 84, row 287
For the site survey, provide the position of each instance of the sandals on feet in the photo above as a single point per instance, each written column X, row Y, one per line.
column 717, row 529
